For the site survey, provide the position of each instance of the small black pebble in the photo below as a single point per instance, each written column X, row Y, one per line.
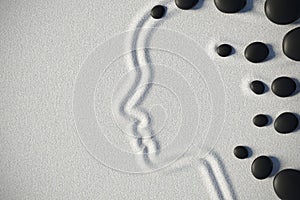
column 286, row 123
column 283, row 86
column 282, row 11
column 241, row 152
column 256, row 52
column 291, row 44
column 260, row 120
column 262, row 167
column 186, row 4
column 230, row 6
column 224, row 50
column 158, row 12
column 257, row 87
column 287, row 183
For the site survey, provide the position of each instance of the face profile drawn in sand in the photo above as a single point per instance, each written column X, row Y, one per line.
column 106, row 121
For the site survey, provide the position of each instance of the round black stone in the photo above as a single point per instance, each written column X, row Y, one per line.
column 257, row 87
column 286, row 123
column 287, row 183
column 224, row 50
column 158, row 12
column 260, row 120
column 240, row 152
column 282, row 11
column 291, row 44
column 186, row 4
column 283, row 86
column 230, row 6
column 256, row 52
column 262, row 167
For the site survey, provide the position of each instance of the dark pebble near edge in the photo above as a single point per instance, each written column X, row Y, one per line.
column 257, row 87
column 224, row 50
column 262, row 167
column 287, row 184
column 283, row 86
column 158, row 12
column 256, row 52
column 186, row 4
column 260, row 120
column 230, row 6
column 241, row 152
column 286, row 123
column 291, row 44
column 282, row 11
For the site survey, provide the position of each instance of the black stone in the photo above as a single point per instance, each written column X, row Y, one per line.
column 291, row 44
column 282, row 11
column 286, row 123
column 260, row 120
column 256, row 52
column 287, row 184
column 262, row 167
column 230, row 6
column 224, row 50
column 257, row 87
column 241, row 152
column 158, row 12
column 186, row 4
column 283, row 86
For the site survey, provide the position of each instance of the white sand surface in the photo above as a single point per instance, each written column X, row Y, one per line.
column 101, row 101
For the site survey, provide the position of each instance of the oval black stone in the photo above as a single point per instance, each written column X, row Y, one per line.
column 186, row 4
column 291, row 44
column 260, row 120
column 224, row 50
column 158, row 12
column 256, row 52
column 241, row 152
column 286, row 123
column 262, row 167
column 257, row 87
column 287, row 183
column 230, row 6
column 282, row 11
column 283, row 86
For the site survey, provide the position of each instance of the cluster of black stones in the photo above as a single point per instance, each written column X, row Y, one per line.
column 286, row 183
